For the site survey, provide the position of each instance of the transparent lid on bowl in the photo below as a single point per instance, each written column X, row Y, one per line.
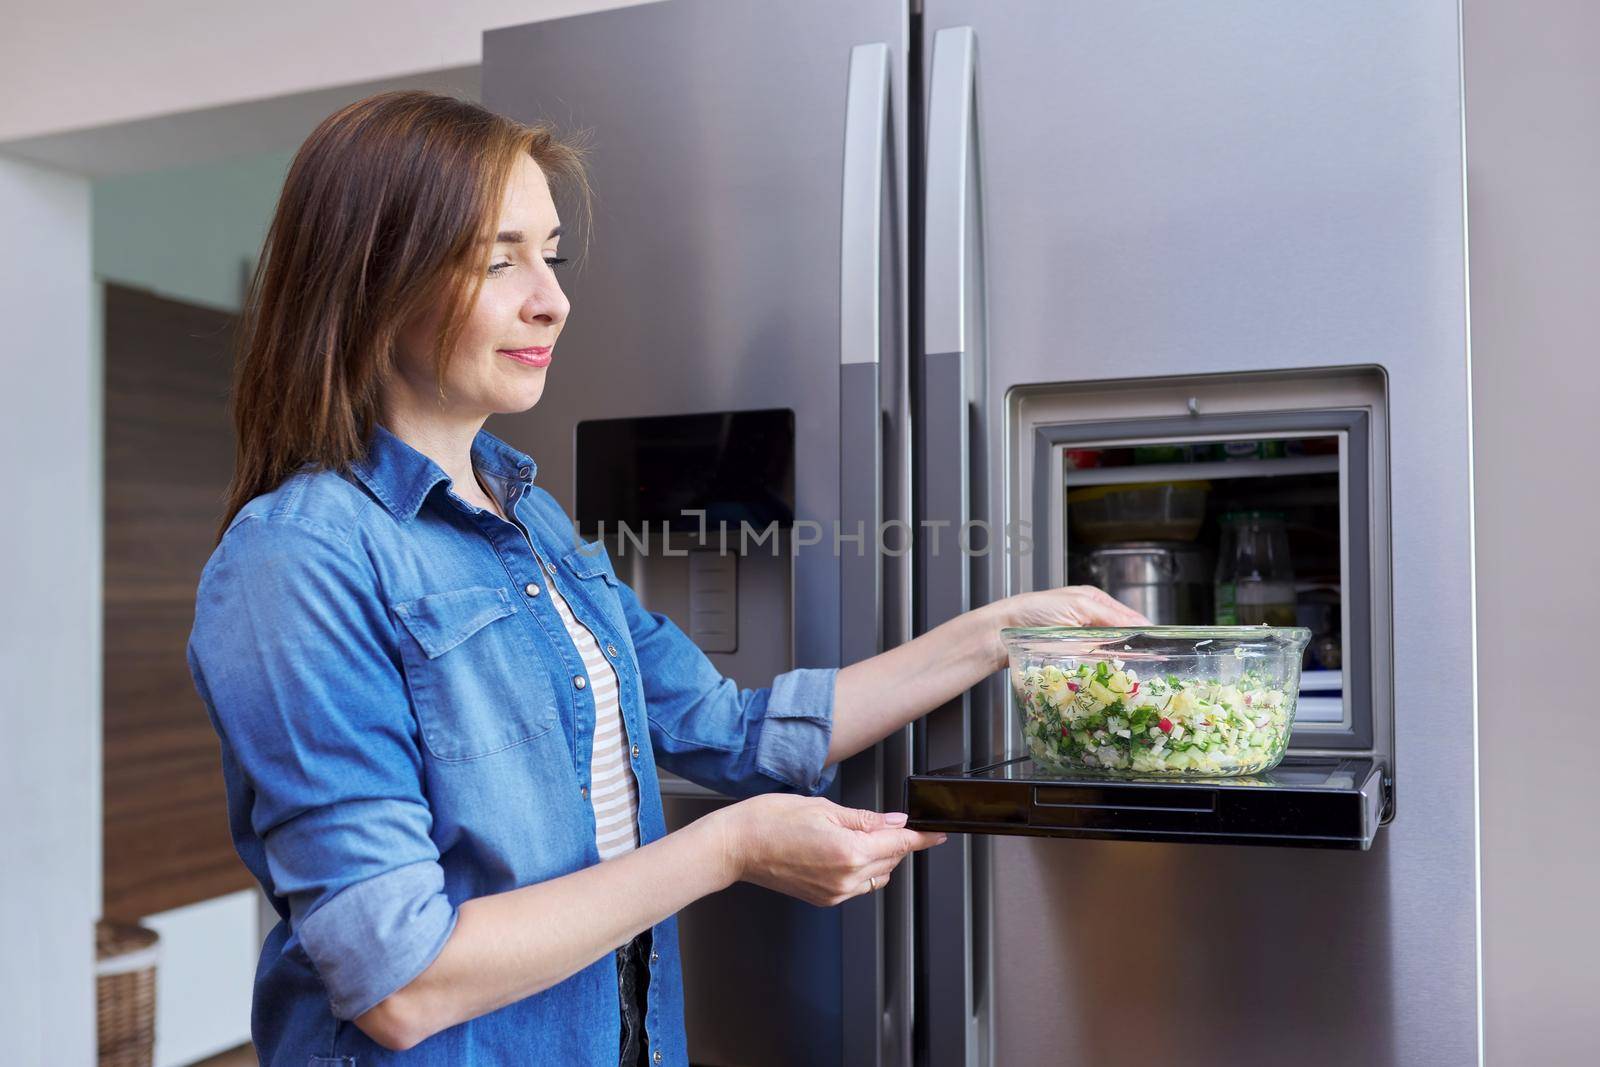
column 1156, row 641
column 1176, row 632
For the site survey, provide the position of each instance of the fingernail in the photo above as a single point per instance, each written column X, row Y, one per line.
column 942, row 838
column 894, row 818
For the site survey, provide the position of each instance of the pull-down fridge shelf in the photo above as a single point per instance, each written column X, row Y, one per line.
column 1306, row 801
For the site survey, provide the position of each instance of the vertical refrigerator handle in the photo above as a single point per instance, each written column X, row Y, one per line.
column 947, row 357
column 866, row 138
column 860, row 341
column 869, row 1014
column 945, row 1018
column 866, row 134
column 947, row 259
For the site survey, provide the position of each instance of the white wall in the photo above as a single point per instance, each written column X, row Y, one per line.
column 76, row 63
column 50, row 630
column 206, row 976
column 1533, row 171
column 187, row 233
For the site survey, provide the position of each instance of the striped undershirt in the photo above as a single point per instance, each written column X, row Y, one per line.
column 612, row 789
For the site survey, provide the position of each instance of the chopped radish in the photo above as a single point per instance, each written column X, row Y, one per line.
column 1166, row 726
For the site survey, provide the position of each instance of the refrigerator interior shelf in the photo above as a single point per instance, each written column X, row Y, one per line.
column 1323, row 681
column 1211, row 470
column 1310, row 801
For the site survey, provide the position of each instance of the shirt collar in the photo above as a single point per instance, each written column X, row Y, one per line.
column 401, row 477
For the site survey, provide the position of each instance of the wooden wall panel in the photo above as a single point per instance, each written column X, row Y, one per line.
column 169, row 454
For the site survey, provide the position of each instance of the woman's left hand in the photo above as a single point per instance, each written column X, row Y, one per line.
column 1071, row 605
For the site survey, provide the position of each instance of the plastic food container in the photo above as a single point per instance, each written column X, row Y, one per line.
column 1161, row 511
column 1156, row 702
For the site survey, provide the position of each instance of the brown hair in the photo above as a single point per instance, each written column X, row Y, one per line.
column 390, row 202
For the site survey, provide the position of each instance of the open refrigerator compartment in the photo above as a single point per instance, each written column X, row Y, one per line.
column 1298, row 477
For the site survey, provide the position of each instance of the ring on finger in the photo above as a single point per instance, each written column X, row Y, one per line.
column 873, row 882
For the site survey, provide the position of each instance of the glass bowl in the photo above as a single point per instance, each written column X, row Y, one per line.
column 1158, row 701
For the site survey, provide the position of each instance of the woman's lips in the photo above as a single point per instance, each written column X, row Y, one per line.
column 533, row 357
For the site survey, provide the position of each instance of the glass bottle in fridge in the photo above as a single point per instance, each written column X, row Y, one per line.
column 1255, row 579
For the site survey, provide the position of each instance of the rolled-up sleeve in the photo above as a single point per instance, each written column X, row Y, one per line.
column 797, row 728
column 737, row 741
column 293, row 653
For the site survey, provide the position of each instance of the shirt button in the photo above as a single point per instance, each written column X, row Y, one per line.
column 635, row 751
column 611, row 650
column 654, row 956
column 550, row 568
column 531, row 589
column 525, row 472
column 584, row 790
column 580, row 681
column 656, row 1056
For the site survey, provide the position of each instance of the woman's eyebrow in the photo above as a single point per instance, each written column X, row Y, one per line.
column 516, row 237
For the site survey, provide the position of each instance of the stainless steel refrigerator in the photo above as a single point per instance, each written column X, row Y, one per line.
column 941, row 269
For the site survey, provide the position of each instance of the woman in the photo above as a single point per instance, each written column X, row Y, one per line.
column 440, row 718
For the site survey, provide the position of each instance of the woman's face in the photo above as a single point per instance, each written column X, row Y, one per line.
column 500, row 360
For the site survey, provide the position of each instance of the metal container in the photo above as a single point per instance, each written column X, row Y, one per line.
column 1168, row 581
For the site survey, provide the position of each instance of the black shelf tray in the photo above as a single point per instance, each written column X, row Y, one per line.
column 1306, row 801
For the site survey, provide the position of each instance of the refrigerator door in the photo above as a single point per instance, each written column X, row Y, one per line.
column 1152, row 189
column 749, row 169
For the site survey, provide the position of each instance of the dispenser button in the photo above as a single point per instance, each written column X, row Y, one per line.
column 714, row 601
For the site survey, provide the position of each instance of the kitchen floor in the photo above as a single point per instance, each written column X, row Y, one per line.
column 243, row 1056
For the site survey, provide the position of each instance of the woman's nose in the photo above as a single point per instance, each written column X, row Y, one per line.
column 546, row 302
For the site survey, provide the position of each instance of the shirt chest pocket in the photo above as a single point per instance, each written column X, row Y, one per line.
column 467, row 662
column 599, row 583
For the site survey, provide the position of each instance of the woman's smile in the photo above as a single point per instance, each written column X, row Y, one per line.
column 533, row 357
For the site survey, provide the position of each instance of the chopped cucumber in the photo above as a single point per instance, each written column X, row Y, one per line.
column 1108, row 720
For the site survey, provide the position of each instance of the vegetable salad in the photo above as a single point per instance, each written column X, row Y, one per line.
column 1105, row 717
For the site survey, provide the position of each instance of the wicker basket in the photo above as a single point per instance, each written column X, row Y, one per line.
column 125, row 985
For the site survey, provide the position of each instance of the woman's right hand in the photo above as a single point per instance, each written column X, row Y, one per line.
column 813, row 849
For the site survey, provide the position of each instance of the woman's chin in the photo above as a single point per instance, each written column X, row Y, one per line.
column 512, row 401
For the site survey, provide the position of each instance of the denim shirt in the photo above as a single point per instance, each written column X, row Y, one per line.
column 403, row 729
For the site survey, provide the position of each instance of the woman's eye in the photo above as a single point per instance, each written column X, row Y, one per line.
column 500, row 268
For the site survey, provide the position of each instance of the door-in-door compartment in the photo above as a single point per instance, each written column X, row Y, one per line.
column 1315, row 802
